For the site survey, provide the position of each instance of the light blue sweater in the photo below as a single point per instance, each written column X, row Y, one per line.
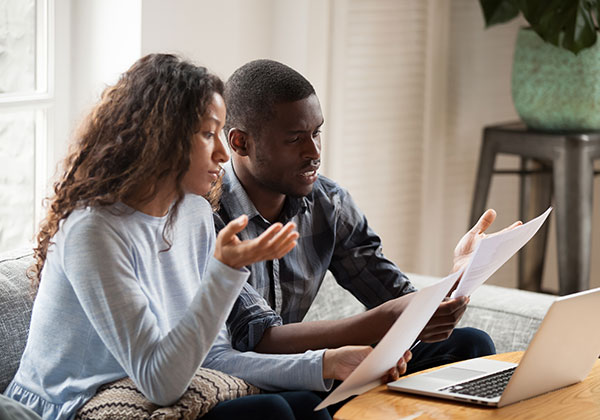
column 111, row 305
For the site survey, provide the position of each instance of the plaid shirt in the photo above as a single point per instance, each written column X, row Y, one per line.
column 334, row 235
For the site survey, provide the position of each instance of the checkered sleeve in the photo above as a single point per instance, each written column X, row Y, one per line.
column 358, row 263
column 250, row 317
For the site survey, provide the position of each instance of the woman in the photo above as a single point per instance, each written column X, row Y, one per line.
column 130, row 279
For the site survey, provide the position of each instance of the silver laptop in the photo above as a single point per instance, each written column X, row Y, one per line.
column 562, row 352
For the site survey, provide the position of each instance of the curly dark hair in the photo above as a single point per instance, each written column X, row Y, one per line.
column 253, row 90
column 138, row 134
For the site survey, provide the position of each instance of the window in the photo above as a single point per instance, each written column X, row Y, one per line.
column 26, row 99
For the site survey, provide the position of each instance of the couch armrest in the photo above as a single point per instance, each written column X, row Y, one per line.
column 15, row 311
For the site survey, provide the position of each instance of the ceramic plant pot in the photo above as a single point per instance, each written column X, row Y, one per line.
column 554, row 89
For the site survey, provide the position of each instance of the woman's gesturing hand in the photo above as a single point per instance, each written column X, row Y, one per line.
column 274, row 243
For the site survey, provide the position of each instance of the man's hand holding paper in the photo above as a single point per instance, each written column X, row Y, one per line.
column 468, row 243
column 484, row 254
column 451, row 310
column 429, row 314
column 445, row 318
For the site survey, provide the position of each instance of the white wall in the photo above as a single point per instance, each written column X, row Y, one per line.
column 102, row 38
column 447, row 75
column 224, row 35
column 105, row 41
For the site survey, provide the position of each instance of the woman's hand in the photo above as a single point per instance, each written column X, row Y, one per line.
column 340, row 363
column 274, row 243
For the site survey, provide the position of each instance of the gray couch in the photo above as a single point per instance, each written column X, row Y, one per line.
column 510, row 316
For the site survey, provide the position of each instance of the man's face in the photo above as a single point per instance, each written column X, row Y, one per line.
column 285, row 156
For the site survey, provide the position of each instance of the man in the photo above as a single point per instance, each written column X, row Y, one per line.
column 273, row 129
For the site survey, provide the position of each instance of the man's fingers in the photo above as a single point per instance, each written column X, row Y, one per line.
column 451, row 305
column 400, row 368
column 484, row 222
column 437, row 333
column 442, row 322
column 514, row 225
column 392, row 375
column 434, row 338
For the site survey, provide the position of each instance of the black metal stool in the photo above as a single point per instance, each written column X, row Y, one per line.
column 564, row 171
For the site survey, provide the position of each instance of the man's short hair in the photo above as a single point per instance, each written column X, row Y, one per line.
column 253, row 90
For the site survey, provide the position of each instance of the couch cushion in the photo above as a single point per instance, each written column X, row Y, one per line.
column 15, row 311
column 333, row 302
column 121, row 399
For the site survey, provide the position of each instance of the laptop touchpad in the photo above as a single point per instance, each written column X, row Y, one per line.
column 455, row 374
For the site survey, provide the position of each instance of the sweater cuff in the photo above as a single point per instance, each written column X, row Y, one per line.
column 226, row 272
column 317, row 374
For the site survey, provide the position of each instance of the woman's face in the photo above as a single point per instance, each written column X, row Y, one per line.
column 208, row 150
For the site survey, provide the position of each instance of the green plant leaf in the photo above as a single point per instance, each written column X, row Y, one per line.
column 498, row 11
column 564, row 23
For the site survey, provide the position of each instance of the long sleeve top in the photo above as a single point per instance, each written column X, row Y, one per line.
column 113, row 302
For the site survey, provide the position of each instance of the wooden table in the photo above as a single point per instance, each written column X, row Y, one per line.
column 580, row 401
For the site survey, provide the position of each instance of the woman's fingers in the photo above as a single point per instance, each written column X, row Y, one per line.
column 233, row 228
column 273, row 243
column 278, row 241
column 285, row 240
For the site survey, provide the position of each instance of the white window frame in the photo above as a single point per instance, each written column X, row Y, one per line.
column 41, row 101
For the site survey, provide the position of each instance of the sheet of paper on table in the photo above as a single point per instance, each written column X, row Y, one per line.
column 394, row 344
column 493, row 251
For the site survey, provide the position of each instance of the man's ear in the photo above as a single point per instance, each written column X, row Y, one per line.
column 238, row 140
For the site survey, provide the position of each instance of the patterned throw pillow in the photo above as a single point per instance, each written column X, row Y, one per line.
column 122, row 400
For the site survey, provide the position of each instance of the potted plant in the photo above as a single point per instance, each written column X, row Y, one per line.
column 556, row 68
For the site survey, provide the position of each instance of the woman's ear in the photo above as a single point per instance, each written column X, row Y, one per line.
column 238, row 140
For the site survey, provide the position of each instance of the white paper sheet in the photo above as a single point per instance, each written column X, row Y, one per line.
column 396, row 341
column 495, row 250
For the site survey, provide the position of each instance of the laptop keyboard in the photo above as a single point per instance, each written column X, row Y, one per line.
column 489, row 386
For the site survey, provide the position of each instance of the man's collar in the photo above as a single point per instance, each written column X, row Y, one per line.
column 236, row 200
column 234, row 195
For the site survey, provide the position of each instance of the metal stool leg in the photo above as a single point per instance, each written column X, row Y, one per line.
column 573, row 186
column 535, row 197
column 487, row 160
